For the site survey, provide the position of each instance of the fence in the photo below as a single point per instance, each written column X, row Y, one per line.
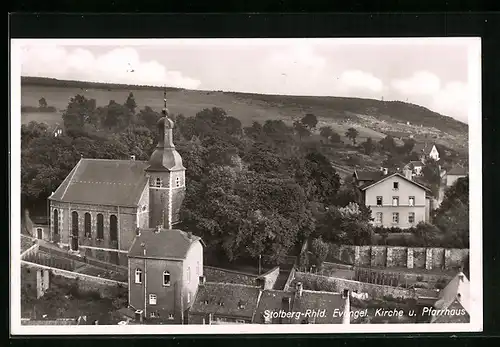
column 50, row 261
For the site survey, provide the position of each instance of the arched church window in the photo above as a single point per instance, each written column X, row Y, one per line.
column 113, row 228
column 158, row 182
column 100, row 226
column 87, row 224
column 74, row 224
column 56, row 221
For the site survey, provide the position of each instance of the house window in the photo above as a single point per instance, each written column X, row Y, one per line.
column 411, row 201
column 154, row 315
column 158, row 182
column 379, row 217
column 241, row 321
column 138, row 276
column 411, row 217
column 395, row 185
column 395, row 217
column 166, row 278
column 379, row 201
column 188, row 274
column 177, row 182
column 87, row 224
column 152, row 299
column 189, row 297
column 170, row 316
column 100, row 226
column 395, row 201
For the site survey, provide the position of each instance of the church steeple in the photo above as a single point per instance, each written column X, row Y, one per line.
column 165, row 156
column 166, row 176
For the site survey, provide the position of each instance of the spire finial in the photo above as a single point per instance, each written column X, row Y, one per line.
column 165, row 109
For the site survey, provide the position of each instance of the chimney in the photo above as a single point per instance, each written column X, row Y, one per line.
column 202, row 279
column 346, row 317
column 408, row 174
column 261, row 282
column 385, row 170
column 298, row 289
column 138, row 316
column 132, row 157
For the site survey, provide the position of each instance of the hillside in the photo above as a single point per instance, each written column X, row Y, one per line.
column 372, row 118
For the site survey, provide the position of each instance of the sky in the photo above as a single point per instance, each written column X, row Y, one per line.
column 431, row 73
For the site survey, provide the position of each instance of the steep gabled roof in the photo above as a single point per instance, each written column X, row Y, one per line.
column 457, row 290
column 103, row 182
column 365, row 175
column 226, row 299
column 271, row 300
column 314, row 300
column 165, row 244
column 392, row 175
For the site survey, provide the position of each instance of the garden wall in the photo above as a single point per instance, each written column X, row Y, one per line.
column 389, row 256
column 215, row 274
column 332, row 284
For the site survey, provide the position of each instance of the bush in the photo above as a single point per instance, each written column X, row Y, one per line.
column 320, row 249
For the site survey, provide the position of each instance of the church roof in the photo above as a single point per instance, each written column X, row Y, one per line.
column 103, row 182
column 165, row 244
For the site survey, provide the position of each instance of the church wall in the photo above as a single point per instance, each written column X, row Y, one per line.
column 126, row 217
column 177, row 199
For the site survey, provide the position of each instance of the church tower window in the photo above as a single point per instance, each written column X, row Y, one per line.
column 177, row 182
column 56, row 221
column 158, row 182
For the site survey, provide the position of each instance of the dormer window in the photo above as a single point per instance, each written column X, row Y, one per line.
column 221, row 303
column 158, row 182
column 166, row 278
column 205, row 302
column 241, row 305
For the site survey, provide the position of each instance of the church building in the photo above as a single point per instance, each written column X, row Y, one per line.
column 102, row 204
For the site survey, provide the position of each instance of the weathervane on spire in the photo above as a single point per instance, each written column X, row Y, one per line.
column 165, row 110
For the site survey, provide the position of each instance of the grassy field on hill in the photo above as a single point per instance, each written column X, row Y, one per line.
column 372, row 118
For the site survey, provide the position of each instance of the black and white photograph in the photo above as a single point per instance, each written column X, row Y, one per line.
column 221, row 186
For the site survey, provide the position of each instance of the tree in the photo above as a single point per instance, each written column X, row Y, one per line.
column 346, row 225
column 42, row 103
column 301, row 129
column 130, row 104
column 31, row 131
column 310, row 121
column 408, row 145
column 148, row 117
column 388, row 144
column 116, row 116
column 320, row 249
column 326, row 132
column 254, row 131
column 351, row 134
column 80, row 110
column 368, row 146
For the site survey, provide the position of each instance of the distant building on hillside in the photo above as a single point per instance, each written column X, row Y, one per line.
column 426, row 150
column 415, row 167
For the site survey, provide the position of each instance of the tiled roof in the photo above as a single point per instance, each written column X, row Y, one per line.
column 271, row 300
column 368, row 175
column 315, row 300
column 457, row 289
column 166, row 244
column 392, row 175
column 226, row 299
column 421, row 147
column 71, row 321
column 415, row 163
column 458, row 170
column 103, row 182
